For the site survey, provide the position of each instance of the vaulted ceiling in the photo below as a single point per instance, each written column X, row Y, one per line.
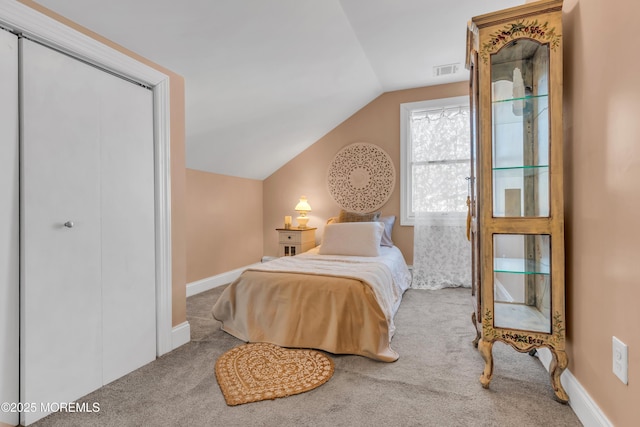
column 265, row 79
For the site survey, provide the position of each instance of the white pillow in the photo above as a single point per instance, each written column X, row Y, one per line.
column 352, row 238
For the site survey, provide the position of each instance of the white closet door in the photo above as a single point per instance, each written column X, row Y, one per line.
column 128, row 231
column 61, row 315
column 88, row 311
column 9, row 225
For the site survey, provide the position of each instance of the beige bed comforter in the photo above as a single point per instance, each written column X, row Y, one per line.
column 340, row 304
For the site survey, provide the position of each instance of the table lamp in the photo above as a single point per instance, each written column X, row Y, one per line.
column 303, row 207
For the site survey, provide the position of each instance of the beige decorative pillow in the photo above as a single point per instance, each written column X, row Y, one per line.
column 358, row 217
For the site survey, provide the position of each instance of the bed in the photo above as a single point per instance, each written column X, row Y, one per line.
column 340, row 297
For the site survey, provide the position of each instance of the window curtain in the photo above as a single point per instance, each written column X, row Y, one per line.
column 441, row 251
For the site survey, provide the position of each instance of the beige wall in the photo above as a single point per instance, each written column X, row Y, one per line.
column 224, row 223
column 177, row 124
column 377, row 123
column 602, row 128
column 602, row 137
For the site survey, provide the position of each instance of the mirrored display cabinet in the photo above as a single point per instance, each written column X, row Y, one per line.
column 516, row 209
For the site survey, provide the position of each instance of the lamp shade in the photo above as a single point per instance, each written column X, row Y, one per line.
column 303, row 205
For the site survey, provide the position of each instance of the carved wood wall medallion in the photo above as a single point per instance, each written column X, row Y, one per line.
column 361, row 177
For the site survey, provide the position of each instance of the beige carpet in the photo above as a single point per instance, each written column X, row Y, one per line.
column 262, row 371
column 435, row 382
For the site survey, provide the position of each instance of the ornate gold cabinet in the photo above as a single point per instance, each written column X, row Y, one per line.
column 516, row 189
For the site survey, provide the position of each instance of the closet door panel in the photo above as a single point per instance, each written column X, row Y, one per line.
column 61, row 315
column 9, row 225
column 88, row 262
column 128, row 232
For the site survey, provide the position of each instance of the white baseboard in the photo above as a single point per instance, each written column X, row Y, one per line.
column 198, row 286
column 588, row 412
column 180, row 335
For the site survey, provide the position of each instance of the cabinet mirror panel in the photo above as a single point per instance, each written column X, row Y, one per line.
column 520, row 129
column 522, row 281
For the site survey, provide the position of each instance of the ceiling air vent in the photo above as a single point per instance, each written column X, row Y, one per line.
column 444, row 70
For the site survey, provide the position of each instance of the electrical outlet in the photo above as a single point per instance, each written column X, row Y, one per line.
column 620, row 359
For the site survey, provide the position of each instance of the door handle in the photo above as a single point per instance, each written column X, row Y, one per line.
column 68, row 224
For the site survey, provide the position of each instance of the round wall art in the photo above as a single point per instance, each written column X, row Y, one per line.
column 361, row 177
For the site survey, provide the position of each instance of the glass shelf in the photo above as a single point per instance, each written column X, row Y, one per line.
column 520, row 168
column 519, row 266
column 524, row 98
column 516, row 110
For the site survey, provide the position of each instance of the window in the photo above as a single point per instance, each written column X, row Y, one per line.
column 435, row 156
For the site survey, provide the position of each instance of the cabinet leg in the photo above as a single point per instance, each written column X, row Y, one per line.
column 485, row 349
column 475, row 327
column 558, row 364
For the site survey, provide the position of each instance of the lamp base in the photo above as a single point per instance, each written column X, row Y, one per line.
column 302, row 221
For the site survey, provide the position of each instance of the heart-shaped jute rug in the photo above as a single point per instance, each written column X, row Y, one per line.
column 261, row 371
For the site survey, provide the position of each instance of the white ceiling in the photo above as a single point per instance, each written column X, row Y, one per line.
column 265, row 79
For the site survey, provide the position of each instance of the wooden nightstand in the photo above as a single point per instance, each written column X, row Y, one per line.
column 293, row 241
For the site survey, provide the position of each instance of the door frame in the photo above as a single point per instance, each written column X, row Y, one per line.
column 24, row 20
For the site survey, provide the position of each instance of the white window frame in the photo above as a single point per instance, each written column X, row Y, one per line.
column 407, row 216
